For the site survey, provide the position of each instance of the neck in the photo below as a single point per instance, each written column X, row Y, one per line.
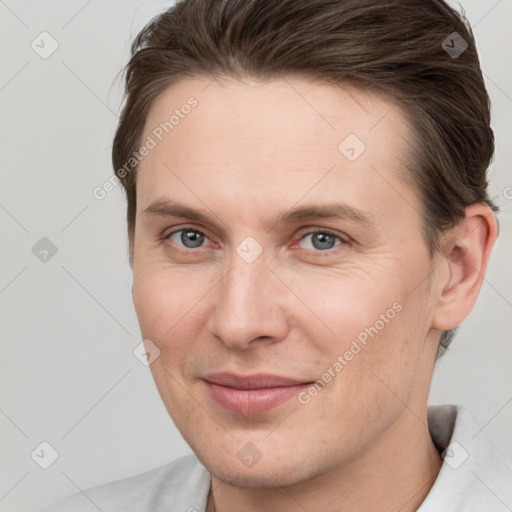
column 395, row 473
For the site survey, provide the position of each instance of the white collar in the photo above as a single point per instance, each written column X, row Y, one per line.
column 475, row 476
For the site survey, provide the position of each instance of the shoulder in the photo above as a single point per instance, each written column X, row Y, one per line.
column 182, row 484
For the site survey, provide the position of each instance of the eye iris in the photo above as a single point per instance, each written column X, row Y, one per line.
column 191, row 239
column 325, row 240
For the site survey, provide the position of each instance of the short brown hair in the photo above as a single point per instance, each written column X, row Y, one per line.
column 397, row 47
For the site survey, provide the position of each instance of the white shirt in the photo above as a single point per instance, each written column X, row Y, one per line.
column 474, row 477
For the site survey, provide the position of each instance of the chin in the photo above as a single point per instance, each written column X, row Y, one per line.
column 269, row 474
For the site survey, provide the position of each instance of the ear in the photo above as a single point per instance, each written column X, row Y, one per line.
column 464, row 255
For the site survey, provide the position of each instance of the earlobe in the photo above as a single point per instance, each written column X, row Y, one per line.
column 465, row 254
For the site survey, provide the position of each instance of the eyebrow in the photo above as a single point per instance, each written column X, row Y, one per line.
column 336, row 210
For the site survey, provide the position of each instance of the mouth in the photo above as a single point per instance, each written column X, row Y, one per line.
column 252, row 394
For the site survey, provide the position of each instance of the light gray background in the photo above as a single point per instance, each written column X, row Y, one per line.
column 68, row 327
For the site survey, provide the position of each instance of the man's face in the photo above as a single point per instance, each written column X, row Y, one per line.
column 252, row 289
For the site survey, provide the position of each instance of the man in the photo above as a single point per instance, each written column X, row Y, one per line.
column 308, row 223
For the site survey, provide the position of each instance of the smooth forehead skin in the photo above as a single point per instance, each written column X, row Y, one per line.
column 248, row 153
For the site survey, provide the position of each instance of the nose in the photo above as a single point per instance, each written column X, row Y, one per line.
column 250, row 305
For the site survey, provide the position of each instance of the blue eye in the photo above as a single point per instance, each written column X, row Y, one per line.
column 190, row 238
column 322, row 240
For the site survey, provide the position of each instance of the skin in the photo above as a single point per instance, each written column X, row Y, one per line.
column 248, row 152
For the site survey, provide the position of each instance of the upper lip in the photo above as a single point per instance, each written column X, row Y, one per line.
column 256, row 381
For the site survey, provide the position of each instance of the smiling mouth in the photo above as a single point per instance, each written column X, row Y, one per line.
column 252, row 394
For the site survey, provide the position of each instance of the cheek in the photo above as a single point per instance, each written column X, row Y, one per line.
column 167, row 316
column 376, row 333
column 165, row 305
column 345, row 305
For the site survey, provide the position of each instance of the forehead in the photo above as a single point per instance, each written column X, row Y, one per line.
column 269, row 137
column 290, row 108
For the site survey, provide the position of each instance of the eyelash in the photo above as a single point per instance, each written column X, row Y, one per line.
column 344, row 241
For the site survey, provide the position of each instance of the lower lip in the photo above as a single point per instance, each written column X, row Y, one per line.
column 252, row 401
